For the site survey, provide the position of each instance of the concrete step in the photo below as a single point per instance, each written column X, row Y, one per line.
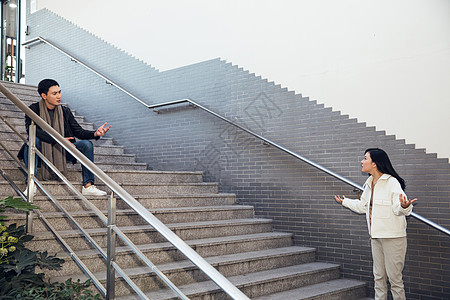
column 171, row 188
column 117, row 166
column 104, row 141
column 99, row 158
column 6, row 104
column 99, row 150
column 18, row 122
column 104, row 162
column 20, row 88
column 12, row 121
column 128, row 217
column 112, row 159
column 169, row 201
column 156, row 176
column 56, row 189
column 146, row 234
column 11, row 111
column 256, row 284
column 15, row 146
column 105, row 166
column 160, row 253
column 19, row 125
column 26, row 98
column 122, row 176
column 14, row 142
column 129, row 176
column 184, row 272
column 334, row 289
column 16, row 117
column 10, row 136
column 106, row 158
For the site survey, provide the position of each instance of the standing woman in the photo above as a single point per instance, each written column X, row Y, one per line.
column 385, row 205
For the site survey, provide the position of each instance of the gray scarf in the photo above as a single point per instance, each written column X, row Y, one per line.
column 55, row 153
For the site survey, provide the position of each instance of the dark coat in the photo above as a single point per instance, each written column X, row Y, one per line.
column 71, row 126
column 71, row 129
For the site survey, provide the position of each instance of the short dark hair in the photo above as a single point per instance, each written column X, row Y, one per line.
column 45, row 85
column 384, row 165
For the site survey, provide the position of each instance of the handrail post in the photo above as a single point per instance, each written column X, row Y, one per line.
column 111, row 250
column 31, row 169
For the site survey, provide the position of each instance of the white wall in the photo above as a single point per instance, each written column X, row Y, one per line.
column 386, row 62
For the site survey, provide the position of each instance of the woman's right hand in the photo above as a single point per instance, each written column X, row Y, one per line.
column 339, row 199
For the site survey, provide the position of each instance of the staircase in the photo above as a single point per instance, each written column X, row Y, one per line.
column 262, row 263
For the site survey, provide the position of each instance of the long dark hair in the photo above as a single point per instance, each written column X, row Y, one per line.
column 381, row 159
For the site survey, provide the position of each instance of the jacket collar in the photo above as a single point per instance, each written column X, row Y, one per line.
column 370, row 179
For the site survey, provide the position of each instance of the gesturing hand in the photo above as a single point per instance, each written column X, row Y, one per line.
column 339, row 199
column 71, row 140
column 404, row 202
column 102, row 130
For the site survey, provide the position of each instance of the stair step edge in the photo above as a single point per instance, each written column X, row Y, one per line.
column 315, row 290
column 241, row 281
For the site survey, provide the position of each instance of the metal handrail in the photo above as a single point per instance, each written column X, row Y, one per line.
column 193, row 256
column 329, row 172
column 73, row 58
column 296, row 155
column 64, row 244
column 77, row 260
column 116, row 229
column 80, row 228
column 83, row 267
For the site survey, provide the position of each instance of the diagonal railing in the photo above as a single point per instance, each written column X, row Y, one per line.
column 111, row 228
column 296, row 155
column 193, row 256
column 51, row 229
column 39, row 39
column 190, row 101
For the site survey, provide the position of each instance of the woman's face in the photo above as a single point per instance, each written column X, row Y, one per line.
column 367, row 165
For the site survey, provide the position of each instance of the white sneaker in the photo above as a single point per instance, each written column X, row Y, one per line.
column 92, row 190
column 34, row 191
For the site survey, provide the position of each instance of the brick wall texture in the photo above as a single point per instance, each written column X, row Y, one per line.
column 297, row 196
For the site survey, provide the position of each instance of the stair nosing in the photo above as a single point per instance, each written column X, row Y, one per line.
column 216, row 261
column 140, row 228
column 125, row 250
column 247, row 280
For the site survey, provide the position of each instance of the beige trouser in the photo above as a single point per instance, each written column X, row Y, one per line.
column 388, row 261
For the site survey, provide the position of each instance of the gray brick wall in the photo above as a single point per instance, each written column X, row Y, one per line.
column 297, row 196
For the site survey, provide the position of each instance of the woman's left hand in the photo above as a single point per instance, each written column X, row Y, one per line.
column 404, row 202
column 339, row 199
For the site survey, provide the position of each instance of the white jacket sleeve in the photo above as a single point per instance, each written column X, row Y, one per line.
column 358, row 206
column 396, row 191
